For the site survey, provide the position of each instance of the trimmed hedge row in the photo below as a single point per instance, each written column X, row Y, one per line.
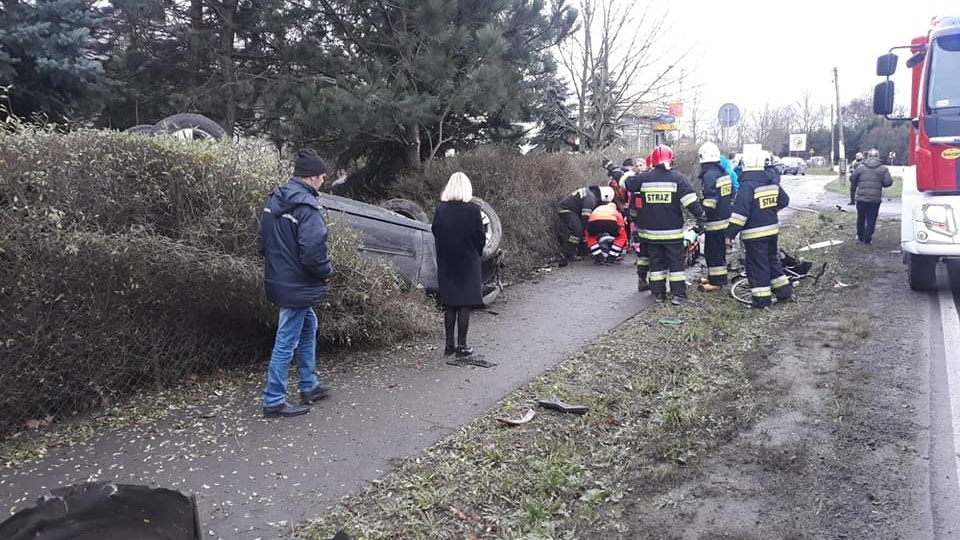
column 129, row 262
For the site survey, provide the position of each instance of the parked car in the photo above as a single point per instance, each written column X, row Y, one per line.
column 793, row 165
column 398, row 232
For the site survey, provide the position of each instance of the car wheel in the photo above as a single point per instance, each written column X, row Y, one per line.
column 492, row 284
column 191, row 127
column 406, row 208
column 491, row 227
column 142, row 129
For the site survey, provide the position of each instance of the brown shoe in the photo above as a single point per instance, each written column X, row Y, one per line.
column 709, row 287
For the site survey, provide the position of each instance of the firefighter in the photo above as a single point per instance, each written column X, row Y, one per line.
column 606, row 233
column 754, row 217
column 717, row 201
column 658, row 198
column 574, row 211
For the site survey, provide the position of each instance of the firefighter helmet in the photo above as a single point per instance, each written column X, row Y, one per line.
column 607, row 194
column 754, row 161
column 661, row 155
column 709, row 153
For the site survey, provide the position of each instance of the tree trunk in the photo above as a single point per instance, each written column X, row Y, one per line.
column 227, row 67
column 196, row 43
column 411, row 153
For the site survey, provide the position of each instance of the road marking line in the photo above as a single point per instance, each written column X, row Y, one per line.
column 950, row 325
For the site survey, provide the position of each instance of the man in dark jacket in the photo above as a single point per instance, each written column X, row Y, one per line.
column 658, row 198
column 754, row 217
column 293, row 241
column 717, row 200
column 867, row 182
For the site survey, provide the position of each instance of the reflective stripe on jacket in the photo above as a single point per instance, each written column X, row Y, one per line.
column 659, row 197
column 754, row 213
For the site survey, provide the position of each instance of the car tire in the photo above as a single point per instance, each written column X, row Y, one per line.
column 406, row 208
column 191, row 127
column 142, row 129
column 492, row 227
column 492, row 284
column 922, row 272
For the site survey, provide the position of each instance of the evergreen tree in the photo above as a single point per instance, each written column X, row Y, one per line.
column 46, row 60
column 418, row 77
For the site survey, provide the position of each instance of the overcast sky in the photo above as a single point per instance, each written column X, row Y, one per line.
column 751, row 52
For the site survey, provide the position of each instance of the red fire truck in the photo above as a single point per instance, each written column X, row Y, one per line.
column 931, row 189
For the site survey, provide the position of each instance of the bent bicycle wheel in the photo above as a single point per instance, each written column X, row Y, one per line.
column 740, row 290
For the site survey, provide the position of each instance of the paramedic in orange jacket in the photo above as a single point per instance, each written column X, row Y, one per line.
column 606, row 234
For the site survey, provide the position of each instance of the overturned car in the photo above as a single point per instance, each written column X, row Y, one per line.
column 398, row 232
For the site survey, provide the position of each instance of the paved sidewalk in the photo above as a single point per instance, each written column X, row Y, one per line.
column 255, row 478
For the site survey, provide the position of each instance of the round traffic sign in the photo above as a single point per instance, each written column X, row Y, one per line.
column 729, row 115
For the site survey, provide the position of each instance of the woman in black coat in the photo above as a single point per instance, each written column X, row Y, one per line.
column 458, row 231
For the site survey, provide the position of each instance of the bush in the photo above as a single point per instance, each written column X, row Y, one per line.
column 129, row 262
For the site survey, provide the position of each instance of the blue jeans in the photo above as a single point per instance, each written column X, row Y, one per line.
column 296, row 334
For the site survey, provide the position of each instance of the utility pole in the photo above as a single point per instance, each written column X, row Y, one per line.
column 842, row 154
column 833, row 137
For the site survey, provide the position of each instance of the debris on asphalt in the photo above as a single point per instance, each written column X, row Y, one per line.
column 474, row 360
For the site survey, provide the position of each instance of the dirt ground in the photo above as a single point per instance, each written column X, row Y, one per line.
column 840, row 450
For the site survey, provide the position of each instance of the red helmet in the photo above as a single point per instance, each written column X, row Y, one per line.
column 662, row 154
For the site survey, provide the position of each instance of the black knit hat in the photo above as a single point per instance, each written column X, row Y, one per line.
column 627, row 163
column 308, row 163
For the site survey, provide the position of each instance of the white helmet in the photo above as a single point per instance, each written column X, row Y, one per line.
column 709, row 153
column 606, row 194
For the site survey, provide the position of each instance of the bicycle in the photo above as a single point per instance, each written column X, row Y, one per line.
column 795, row 270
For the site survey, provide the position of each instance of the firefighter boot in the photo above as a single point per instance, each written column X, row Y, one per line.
column 642, row 284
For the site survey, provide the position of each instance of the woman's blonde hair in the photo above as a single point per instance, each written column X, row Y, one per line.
column 458, row 188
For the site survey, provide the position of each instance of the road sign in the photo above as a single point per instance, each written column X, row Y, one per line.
column 798, row 142
column 729, row 115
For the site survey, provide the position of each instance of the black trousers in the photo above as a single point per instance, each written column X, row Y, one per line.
column 572, row 229
column 456, row 319
column 765, row 271
column 666, row 265
column 715, row 251
column 866, row 220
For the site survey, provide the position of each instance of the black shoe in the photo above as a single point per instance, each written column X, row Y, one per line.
column 448, row 350
column 321, row 391
column 660, row 297
column 463, row 351
column 285, row 409
column 678, row 300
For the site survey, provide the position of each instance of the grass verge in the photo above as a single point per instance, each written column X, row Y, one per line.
column 662, row 398
column 842, row 186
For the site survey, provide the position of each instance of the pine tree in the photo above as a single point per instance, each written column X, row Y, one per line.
column 45, row 58
column 420, row 77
